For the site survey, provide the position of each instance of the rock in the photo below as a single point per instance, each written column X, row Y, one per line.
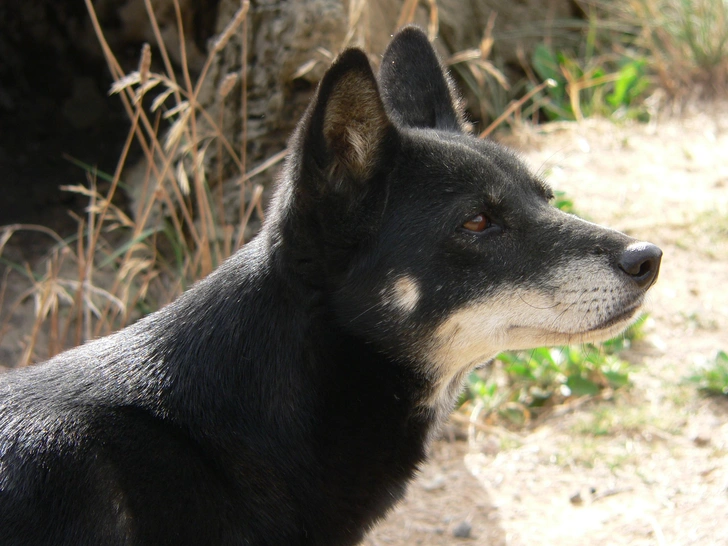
column 462, row 530
column 576, row 499
column 702, row 439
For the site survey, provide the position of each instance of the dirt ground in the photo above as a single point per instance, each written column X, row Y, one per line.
column 650, row 465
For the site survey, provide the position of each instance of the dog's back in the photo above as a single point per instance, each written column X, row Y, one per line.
column 288, row 397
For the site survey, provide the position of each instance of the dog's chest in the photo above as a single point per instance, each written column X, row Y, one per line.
column 370, row 438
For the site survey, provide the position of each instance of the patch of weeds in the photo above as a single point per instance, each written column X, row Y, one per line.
column 121, row 265
column 605, row 75
column 628, row 49
column 717, row 222
column 620, row 460
column 686, row 41
column 712, row 378
column 581, row 370
column 591, row 86
column 523, row 384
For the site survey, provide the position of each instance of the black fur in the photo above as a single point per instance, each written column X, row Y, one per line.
column 279, row 401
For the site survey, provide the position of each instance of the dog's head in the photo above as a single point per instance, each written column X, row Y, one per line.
column 434, row 246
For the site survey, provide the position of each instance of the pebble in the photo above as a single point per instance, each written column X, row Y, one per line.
column 462, row 530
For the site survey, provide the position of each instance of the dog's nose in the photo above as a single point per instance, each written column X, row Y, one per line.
column 641, row 261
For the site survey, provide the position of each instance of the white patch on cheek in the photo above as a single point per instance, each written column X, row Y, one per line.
column 403, row 295
column 468, row 337
column 471, row 336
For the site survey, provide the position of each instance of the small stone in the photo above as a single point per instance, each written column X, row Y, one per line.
column 584, row 495
column 462, row 530
column 702, row 439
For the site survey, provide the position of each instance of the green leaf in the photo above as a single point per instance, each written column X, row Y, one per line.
column 581, row 387
column 713, row 379
column 519, row 368
column 546, row 64
column 562, row 202
column 617, row 379
column 630, row 84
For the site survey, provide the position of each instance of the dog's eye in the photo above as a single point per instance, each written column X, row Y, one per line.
column 478, row 223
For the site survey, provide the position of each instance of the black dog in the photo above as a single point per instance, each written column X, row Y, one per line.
column 288, row 398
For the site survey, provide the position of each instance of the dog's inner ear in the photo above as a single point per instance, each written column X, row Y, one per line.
column 416, row 91
column 351, row 119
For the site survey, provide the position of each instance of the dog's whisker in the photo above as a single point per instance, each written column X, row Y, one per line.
column 555, row 304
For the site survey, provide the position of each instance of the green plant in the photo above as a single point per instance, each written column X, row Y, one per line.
column 576, row 370
column 563, row 202
column 524, row 382
column 713, row 377
column 589, row 86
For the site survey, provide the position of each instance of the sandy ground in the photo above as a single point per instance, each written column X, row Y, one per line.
column 650, row 465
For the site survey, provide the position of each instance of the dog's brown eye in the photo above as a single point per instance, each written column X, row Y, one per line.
column 477, row 223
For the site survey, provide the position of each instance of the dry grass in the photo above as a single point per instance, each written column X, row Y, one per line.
column 684, row 41
column 687, row 41
column 113, row 270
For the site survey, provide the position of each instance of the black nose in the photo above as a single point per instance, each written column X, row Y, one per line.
column 641, row 261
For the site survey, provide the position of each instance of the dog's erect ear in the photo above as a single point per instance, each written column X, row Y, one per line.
column 416, row 90
column 348, row 126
